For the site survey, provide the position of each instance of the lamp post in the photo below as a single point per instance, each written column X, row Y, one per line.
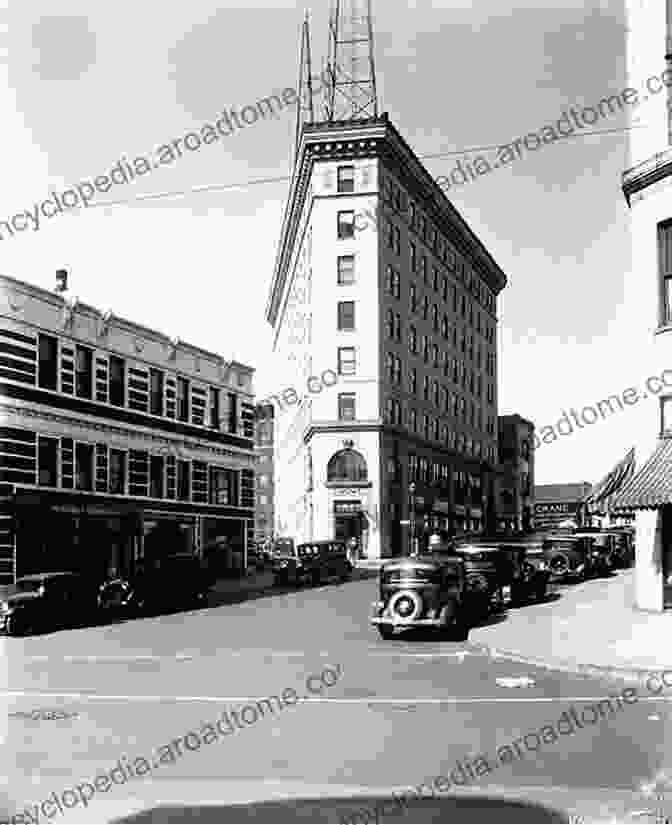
column 411, row 490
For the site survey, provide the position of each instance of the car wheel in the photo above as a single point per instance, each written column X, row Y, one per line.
column 316, row 579
column 385, row 632
column 540, row 592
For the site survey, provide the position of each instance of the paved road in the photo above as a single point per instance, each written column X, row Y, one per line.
column 396, row 714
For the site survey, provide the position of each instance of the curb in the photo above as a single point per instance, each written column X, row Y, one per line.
column 630, row 674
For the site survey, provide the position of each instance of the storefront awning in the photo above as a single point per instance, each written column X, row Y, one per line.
column 601, row 497
column 651, row 487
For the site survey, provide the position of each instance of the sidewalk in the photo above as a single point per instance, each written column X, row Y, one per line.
column 591, row 628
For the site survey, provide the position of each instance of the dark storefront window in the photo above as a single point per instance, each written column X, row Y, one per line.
column 48, row 460
column 84, row 372
column 84, row 467
column 183, row 480
column 117, row 472
column 156, row 476
column 156, row 392
column 117, row 381
column 223, row 487
column 48, row 362
column 182, row 399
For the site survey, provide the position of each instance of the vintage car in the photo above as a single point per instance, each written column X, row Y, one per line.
column 310, row 563
column 602, row 551
column 47, row 601
column 178, row 580
column 529, row 570
column 425, row 591
column 487, row 571
column 570, row 556
column 624, row 550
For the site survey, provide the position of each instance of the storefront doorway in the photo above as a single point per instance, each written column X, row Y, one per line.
column 350, row 522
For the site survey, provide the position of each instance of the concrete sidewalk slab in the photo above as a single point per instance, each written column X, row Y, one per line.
column 591, row 628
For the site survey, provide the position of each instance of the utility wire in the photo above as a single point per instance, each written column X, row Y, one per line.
column 220, row 187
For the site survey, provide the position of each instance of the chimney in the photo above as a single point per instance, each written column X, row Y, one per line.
column 61, row 281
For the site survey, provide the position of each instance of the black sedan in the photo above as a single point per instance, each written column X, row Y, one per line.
column 47, row 601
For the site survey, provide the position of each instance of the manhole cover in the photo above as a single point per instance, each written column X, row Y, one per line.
column 44, row 714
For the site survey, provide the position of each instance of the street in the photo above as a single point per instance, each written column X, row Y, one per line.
column 397, row 714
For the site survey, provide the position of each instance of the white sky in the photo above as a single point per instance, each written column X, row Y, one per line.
column 83, row 83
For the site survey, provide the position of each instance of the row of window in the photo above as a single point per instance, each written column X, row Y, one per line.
column 79, row 371
column 437, row 473
column 454, row 369
column 433, row 239
column 460, row 304
column 417, row 223
column 433, row 430
column 438, row 394
column 466, row 344
column 89, row 467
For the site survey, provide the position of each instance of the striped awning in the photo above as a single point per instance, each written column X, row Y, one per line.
column 651, row 487
column 601, row 497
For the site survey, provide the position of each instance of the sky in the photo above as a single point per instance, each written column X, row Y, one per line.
column 83, row 84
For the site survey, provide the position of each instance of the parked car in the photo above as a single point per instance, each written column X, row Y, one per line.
column 330, row 559
column 487, row 571
column 569, row 556
column 291, row 567
column 425, row 591
column 624, row 550
column 602, row 551
column 179, row 580
column 48, row 601
column 311, row 563
column 529, row 570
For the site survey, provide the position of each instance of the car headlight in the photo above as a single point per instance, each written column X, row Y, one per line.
column 4, row 607
column 542, row 565
column 284, row 563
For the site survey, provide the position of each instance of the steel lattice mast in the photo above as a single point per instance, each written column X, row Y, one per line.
column 351, row 92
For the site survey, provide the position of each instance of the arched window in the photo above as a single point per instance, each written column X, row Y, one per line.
column 347, row 465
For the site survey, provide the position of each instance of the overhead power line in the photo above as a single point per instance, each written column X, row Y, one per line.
column 220, row 187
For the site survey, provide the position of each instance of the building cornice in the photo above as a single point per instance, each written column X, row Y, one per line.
column 148, row 438
column 644, row 174
column 112, row 321
column 378, row 138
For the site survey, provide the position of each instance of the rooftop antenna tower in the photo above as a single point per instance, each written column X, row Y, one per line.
column 305, row 112
column 351, row 90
